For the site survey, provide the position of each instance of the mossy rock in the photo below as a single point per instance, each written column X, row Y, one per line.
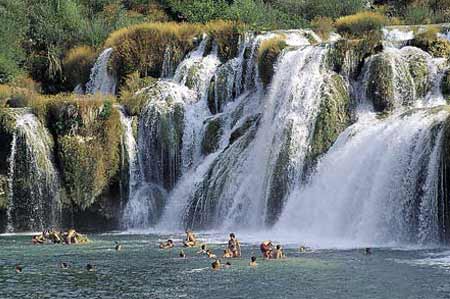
column 242, row 129
column 380, row 86
column 445, row 85
column 334, row 117
column 212, row 136
column 267, row 58
column 347, row 57
column 221, row 87
column 437, row 47
column 88, row 150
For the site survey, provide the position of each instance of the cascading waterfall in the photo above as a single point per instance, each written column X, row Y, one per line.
column 101, row 81
column 378, row 184
column 233, row 189
column 216, row 149
column 34, row 202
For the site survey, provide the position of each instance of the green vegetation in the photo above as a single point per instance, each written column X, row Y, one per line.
column 429, row 41
column 87, row 131
column 44, row 39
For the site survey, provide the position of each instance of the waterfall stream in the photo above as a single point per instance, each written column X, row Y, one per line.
column 101, row 81
column 33, row 180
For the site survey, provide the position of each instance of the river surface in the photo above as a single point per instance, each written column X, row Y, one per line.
column 141, row 270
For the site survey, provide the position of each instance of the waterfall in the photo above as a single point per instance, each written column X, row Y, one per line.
column 101, row 81
column 34, row 202
column 230, row 187
column 378, row 184
column 375, row 186
column 12, row 163
column 396, row 37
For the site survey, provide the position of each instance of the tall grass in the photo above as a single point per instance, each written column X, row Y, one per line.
column 361, row 24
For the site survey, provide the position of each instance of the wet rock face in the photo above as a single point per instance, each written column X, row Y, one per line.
column 397, row 77
column 445, row 85
column 212, row 136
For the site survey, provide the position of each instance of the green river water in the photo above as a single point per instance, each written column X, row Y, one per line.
column 141, row 270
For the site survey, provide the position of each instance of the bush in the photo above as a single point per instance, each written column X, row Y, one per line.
column 323, row 26
column 417, row 14
column 361, row 24
column 77, row 65
column 310, row 9
column 269, row 51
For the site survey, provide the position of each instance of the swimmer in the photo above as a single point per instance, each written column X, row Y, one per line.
column 216, row 265
column 118, row 246
column 266, row 249
column 191, row 240
column 166, row 245
column 202, row 249
column 234, row 245
column 227, row 265
column 64, row 265
column 368, row 251
column 279, row 253
column 210, row 254
column 253, row 262
column 182, row 254
column 18, row 269
column 302, row 248
column 227, row 254
column 90, row 268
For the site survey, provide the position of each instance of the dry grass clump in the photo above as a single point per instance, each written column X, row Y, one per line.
column 361, row 24
column 323, row 26
column 268, row 52
column 141, row 47
column 226, row 35
column 77, row 64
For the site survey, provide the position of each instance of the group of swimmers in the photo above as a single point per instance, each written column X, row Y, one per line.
column 63, row 265
column 233, row 250
column 57, row 237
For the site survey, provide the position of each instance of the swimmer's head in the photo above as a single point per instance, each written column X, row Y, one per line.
column 253, row 259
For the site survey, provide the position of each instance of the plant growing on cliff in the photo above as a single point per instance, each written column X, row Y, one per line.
column 88, row 134
column 269, row 51
column 129, row 96
column 361, row 24
column 77, row 64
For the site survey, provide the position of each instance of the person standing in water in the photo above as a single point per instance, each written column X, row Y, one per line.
column 191, row 240
column 253, row 262
column 266, row 249
column 234, row 246
column 279, row 253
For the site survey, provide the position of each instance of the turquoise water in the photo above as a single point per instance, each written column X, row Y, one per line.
column 141, row 270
